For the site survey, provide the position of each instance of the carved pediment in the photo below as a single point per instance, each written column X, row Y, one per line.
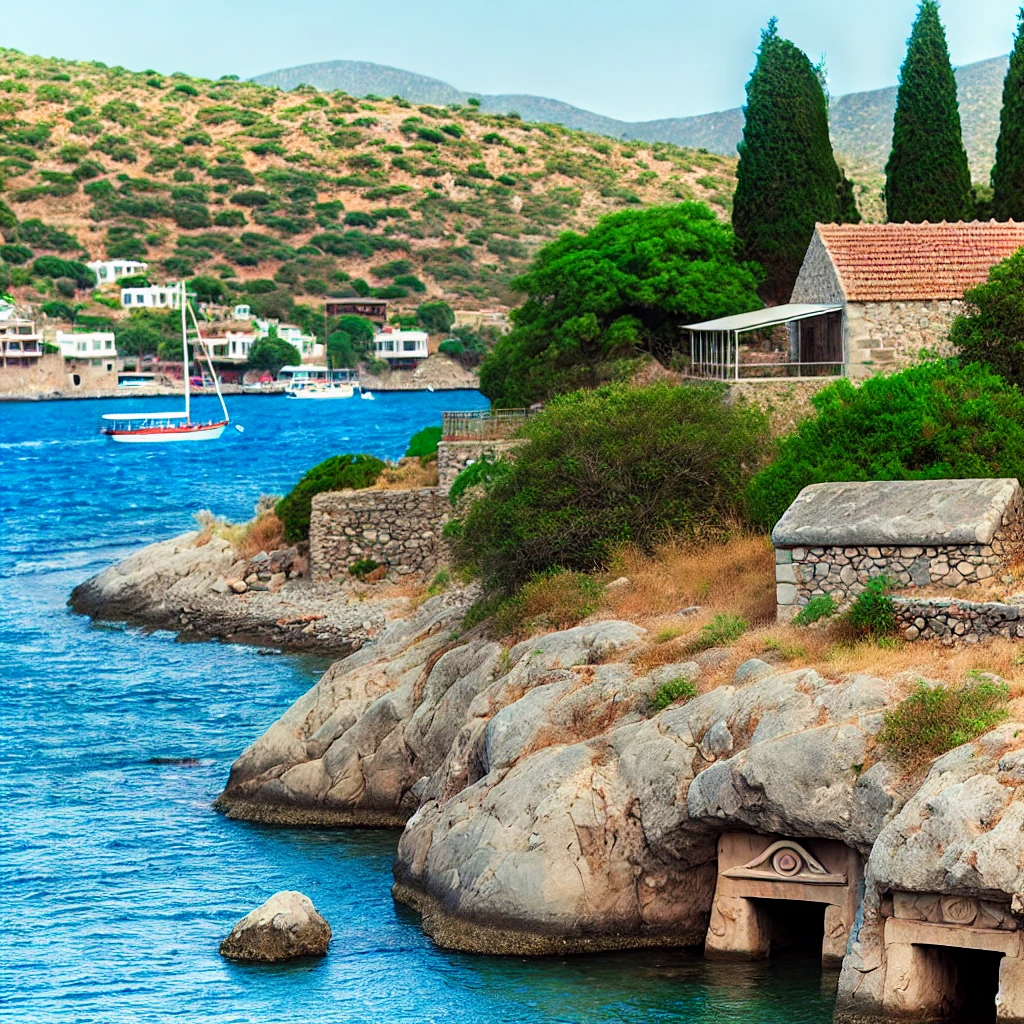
column 786, row 861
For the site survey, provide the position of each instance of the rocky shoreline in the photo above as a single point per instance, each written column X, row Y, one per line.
column 548, row 808
column 183, row 587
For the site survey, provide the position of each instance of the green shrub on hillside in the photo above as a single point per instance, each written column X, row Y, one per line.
column 334, row 474
column 608, row 467
column 933, row 421
column 53, row 266
column 934, row 719
column 873, row 614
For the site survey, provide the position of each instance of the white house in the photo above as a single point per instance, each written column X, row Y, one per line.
column 156, row 296
column 108, row 271
column 308, row 346
column 234, row 346
column 400, row 347
column 95, row 346
column 241, row 312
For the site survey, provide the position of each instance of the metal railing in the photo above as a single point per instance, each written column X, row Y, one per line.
column 482, row 424
column 763, row 369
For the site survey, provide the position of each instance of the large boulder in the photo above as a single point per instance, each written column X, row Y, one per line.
column 285, row 927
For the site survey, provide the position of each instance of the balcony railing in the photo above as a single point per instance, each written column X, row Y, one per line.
column 482, row 424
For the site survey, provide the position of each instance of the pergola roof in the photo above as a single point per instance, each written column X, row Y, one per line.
column 768, row 317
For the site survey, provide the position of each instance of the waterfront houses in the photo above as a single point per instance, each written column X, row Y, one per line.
column 401, row 349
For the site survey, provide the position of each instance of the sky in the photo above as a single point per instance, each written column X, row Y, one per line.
column 638, row 61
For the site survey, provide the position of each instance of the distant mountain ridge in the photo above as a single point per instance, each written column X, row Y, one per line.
column 861, row 121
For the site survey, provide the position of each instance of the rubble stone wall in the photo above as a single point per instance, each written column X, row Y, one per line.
column 454, row 456
column 399, row 529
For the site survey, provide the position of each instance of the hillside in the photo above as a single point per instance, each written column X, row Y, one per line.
column 308, row 193
column 861, row 122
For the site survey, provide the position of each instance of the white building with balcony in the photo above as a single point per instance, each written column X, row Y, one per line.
column 401, row 348
column 156, row 296
column 98, row 347
column 308, row 346
column 108, row 271
column 20, row 345
column 233, row 347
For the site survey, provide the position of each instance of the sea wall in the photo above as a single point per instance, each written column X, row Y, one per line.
column 399, row 529
column 51, row 374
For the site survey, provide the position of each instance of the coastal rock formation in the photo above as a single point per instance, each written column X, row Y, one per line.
column 200, row 590
column 285, row 927
column 610, row 842
column 361, row 745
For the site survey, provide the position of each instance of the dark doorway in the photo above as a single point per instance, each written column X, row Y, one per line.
column 977, row 981
column 796, row 926
column 820, row 345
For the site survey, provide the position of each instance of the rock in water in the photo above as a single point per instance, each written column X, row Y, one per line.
column 286, row 926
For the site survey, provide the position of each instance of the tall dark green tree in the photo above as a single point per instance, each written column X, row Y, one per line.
column 788, row 178
column 1008, row 172
column 927, row 176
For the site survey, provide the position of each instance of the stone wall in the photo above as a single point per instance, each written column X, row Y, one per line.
column 454, row 456
column 51, row 373
column 891, row 335
column 400, row 529
column 817, row 280
column 955, row 621
column 842, row 573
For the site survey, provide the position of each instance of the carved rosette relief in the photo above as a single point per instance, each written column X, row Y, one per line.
column 956, row 910
column 786, row 861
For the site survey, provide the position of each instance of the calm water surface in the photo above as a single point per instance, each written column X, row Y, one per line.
column 117, row 880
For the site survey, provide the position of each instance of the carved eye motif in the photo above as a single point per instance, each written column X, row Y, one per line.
column 787, row 862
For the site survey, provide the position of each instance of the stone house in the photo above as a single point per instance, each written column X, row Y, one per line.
column 899, row 285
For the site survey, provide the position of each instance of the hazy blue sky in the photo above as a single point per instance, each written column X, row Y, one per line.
column 639, row 60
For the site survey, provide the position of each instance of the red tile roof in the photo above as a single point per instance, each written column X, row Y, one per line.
column 891, row 262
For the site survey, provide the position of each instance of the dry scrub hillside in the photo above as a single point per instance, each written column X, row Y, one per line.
column 322, row 193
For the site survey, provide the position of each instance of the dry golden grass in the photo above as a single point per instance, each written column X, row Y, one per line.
column 407, row 475
column 263, row 534
column 736, row 577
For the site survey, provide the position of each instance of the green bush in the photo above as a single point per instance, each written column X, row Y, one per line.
column 363, row 567
column 54, row 267
column 873, row 614
column 15, row 254
column 675, row 689
column 230, row 219
column 436, row 317
column 934, row 719
column 724, row 629
column 191, row 216
column 933, row 421
column 608, row 467
column 820, row 607
column 423, row 445
column 334, row 474
column 477, row 474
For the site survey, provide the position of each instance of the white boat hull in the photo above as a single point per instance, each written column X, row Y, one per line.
column 208, row 432
column 342, row 392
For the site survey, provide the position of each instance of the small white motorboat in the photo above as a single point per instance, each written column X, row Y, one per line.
column 158, row 427
column 333, row 389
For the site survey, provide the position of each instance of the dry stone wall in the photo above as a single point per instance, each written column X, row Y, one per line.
column 892, row 335
column 399, row 529
column 454, row 456
column 955, row 622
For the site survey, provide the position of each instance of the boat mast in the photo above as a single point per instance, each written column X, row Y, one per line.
column 184, row 349
column 201, row 341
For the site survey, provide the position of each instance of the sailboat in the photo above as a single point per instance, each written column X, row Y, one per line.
column 150, row 427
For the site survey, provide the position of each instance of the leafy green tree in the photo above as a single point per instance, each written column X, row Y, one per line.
column 622, row 289
column 787, row 179
column 933, row 421
column 1008, row 171
column 990, row 330
column 350, row 341
column 927, row 176
column 333, row 474
column 150, row 332
column 271, row 353
column 436, row 317
column 608, row 467
column 207, row 289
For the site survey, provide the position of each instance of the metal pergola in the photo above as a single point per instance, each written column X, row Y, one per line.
column 715, row 344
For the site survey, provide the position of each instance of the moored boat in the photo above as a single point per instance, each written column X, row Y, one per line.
column 157, row 427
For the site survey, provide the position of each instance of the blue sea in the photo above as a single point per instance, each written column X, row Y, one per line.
column 118, row 880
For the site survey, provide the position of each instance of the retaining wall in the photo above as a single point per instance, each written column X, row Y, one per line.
column 400, row 529
column 454, row 456
column 955, row 621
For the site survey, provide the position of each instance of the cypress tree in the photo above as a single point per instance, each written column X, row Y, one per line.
column 927, row 176
column 1008, row 172
column 787, row 179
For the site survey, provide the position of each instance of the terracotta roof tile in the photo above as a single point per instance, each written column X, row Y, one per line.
column 892, row 262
